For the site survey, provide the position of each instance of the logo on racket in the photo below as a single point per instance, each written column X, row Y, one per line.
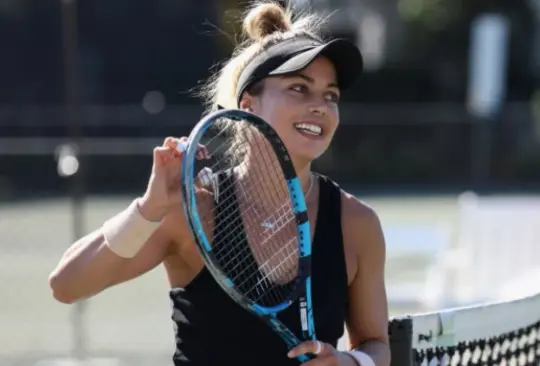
column 268, row 225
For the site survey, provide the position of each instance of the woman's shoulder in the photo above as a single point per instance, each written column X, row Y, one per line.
column 361, row 227
column 352, row 207
column 356, row 211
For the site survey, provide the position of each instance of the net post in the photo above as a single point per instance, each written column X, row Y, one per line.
column 75, row 133
column 400, row 331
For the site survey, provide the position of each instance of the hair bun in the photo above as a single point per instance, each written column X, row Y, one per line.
column 265, row 19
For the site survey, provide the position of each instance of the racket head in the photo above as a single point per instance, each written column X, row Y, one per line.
column 196, row 201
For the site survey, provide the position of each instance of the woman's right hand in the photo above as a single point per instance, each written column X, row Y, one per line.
column 163, row 190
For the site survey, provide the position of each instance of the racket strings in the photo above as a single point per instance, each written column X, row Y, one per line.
column 285, row 204
column 255, row 279
column 227, row 214
column 265, row 265
column 232, row 149
column 274, row 268
column 281, row 218
column 267, row 231
column 265, row 254
column 280, row 211
column 255, row 239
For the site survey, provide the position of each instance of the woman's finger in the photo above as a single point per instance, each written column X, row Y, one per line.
column 206, row 153
column 162, row 155
column 202, row 152
column 315, row 347
column 176, row 145
column 327, row 360
column 179, row 146
column 167, row 141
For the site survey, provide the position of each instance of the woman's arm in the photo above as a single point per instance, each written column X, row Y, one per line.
column 367, row 322
column 89, row 266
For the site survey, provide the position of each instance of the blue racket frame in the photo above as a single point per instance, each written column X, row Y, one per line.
column 188, row 176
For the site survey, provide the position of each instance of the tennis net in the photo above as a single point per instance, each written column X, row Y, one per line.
column 504, row 333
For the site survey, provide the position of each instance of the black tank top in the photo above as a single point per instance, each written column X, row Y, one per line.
column 212, row 330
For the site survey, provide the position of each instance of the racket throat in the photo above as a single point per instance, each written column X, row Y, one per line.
column 304, row 318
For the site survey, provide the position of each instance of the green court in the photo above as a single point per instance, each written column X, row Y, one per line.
column 132, row 320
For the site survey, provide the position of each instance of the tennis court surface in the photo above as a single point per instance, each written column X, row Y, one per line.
column 130, row 324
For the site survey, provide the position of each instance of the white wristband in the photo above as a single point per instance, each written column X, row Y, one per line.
column 361, row 358
column 126, row 233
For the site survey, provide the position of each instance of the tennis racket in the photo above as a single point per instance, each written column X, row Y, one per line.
column 246, row 210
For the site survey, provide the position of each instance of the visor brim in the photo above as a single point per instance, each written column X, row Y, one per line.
column 343, row 54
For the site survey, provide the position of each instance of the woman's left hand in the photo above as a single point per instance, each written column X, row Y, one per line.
column 326, row 354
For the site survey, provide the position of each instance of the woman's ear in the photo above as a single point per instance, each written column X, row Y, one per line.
column 251, row 98
column 245, row 103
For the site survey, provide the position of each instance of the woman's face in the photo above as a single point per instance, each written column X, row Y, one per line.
column 302, row 108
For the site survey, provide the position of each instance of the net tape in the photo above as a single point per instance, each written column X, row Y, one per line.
column 520, row 347
column 504, row 333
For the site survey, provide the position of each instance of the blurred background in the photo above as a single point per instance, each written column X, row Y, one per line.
column 441, row 136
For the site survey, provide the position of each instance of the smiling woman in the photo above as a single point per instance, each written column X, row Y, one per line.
column 286, row 64
column 290, row 77
column 302, row 108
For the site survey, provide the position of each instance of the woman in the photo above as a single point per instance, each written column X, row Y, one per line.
column 287, row 75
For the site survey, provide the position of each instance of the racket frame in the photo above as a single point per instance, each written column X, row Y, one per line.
column 303, row 293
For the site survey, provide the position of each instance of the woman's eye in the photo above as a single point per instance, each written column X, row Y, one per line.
column 332, row 97
column 299, row 88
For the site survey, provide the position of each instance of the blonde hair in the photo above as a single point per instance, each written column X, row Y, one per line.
column 265, row 23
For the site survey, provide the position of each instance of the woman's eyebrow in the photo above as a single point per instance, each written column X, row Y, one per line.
column 311, row 80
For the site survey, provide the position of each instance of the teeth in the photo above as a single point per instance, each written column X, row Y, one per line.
column 309, row 128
